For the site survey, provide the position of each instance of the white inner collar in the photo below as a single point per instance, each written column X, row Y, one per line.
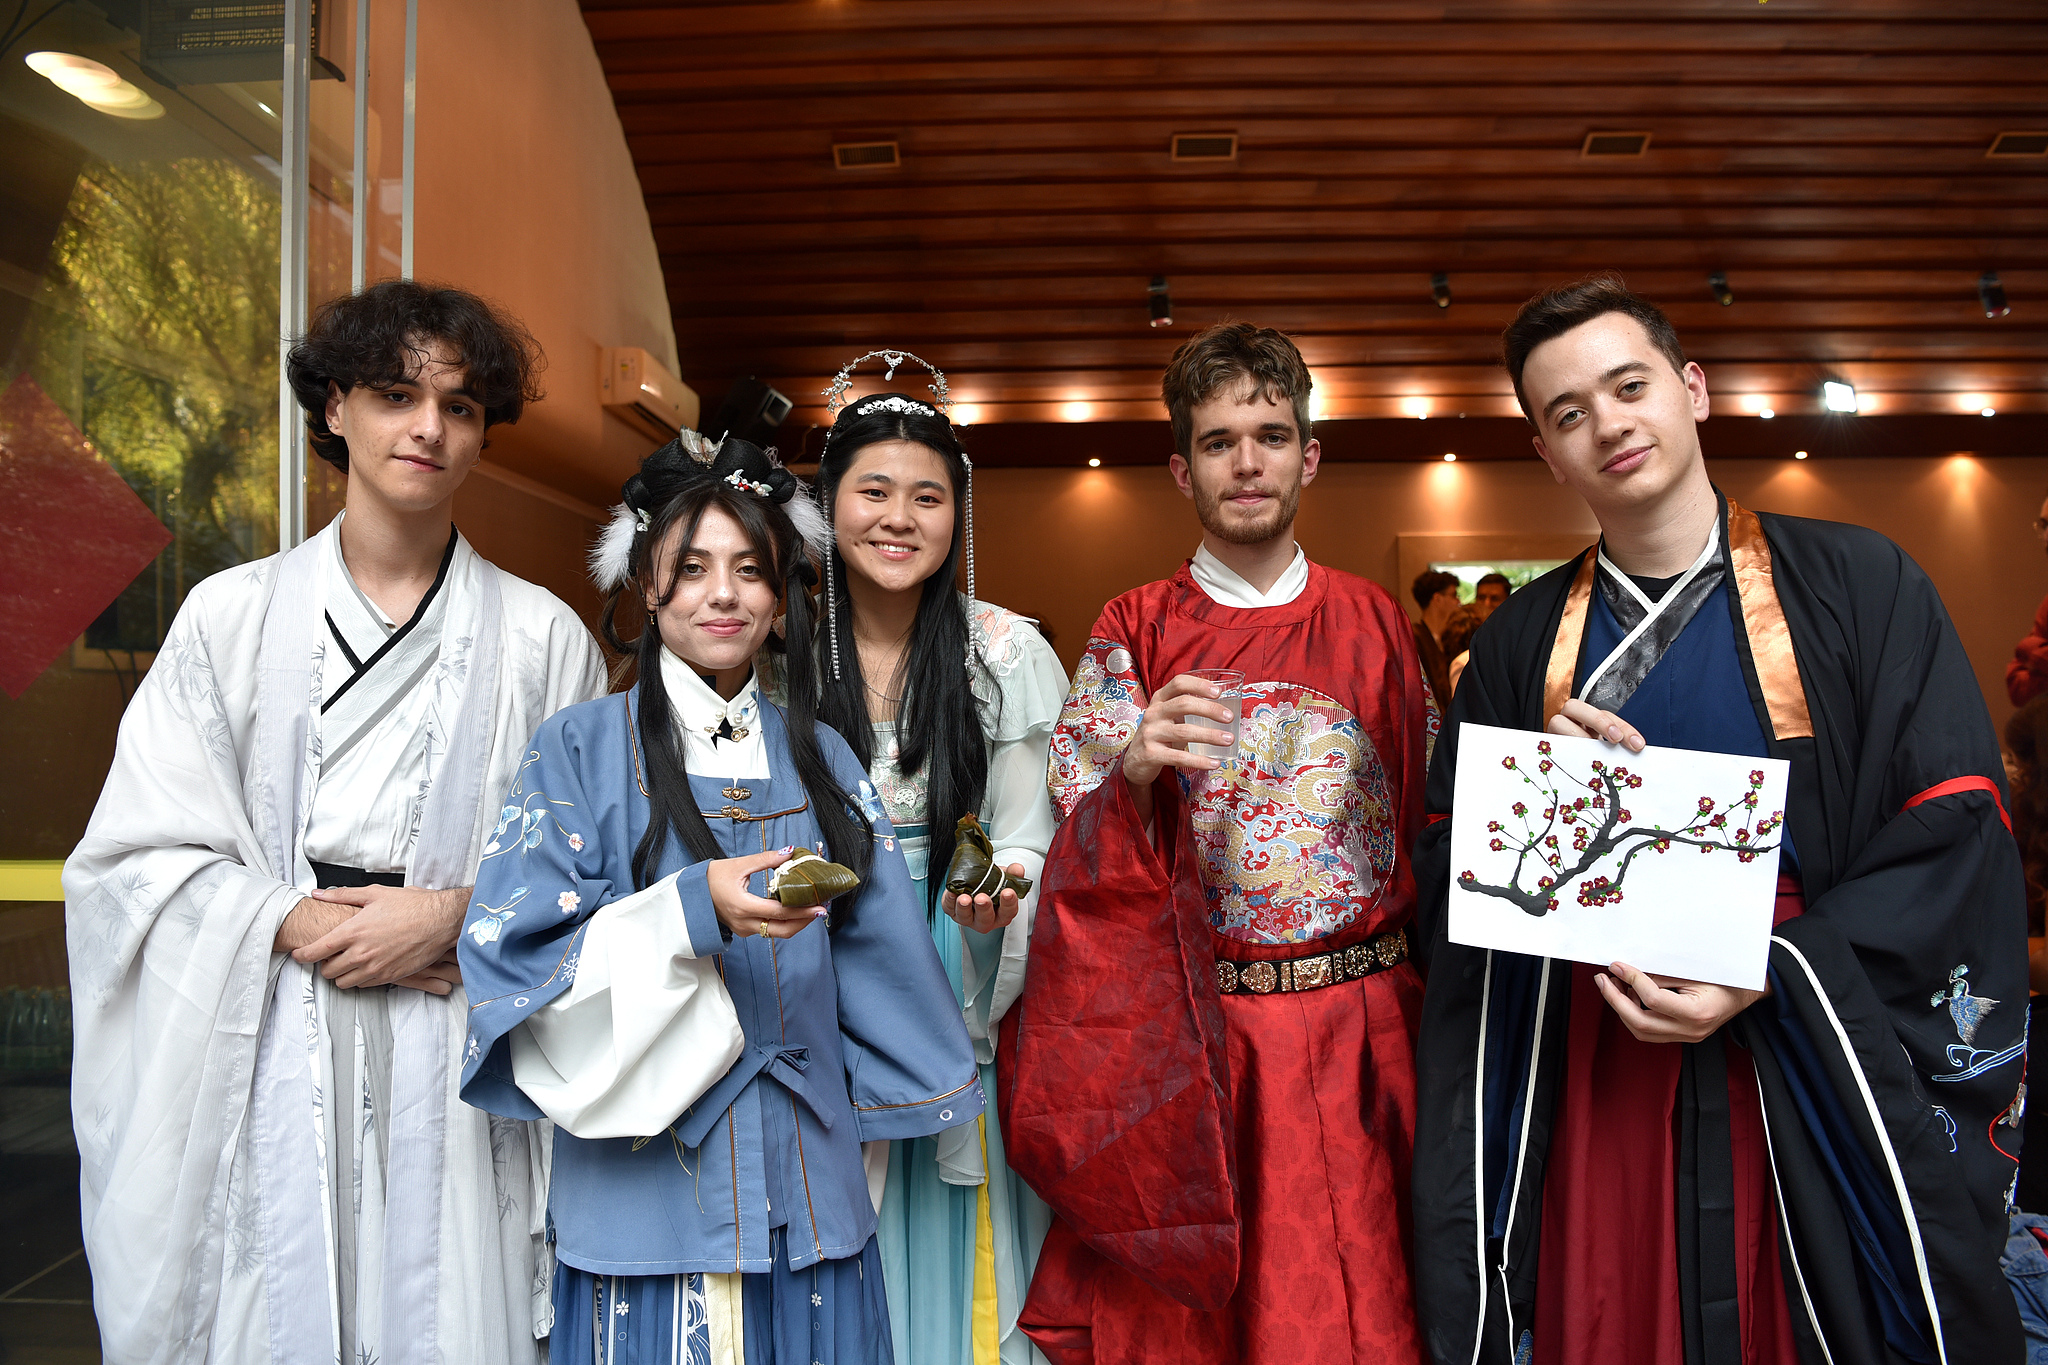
column 1226, row 587
column 1652, row 610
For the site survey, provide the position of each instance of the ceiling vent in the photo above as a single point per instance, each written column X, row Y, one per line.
column 1204, row 146
column 2019, row 144
column 214, row 44
column 1615, row 144
column 865, row 156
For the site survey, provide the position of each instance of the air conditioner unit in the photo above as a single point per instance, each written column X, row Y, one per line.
column 635, row 386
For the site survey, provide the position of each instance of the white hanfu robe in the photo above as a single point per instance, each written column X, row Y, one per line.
column 273, row 1169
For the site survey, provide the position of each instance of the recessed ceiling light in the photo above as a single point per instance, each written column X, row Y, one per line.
column 1767, row 413
column 1988, row 412
column 1798, row 454
column 1838, row 396
column 1450, row 457
column 95, row 85
column 1094, row 463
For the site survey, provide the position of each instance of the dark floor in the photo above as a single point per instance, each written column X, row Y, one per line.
column 45, row 1287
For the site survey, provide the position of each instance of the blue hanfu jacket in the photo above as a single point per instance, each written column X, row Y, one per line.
column 851, row 1035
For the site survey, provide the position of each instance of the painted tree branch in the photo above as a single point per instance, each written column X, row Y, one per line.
column 1598, row 826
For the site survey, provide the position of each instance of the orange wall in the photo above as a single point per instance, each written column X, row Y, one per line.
column 526, row 194
column 1058, row 543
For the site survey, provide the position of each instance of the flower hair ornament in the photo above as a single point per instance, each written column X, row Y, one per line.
column 942, row 407
column 683, row 463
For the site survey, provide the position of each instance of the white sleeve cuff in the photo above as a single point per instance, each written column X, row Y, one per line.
column 646, row 1028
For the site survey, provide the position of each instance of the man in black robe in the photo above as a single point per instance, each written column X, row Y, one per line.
column 1614, row 1166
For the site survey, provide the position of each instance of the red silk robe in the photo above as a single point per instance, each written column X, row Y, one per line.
column 1231, row 1173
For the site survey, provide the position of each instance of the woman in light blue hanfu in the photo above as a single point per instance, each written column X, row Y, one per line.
column 949, row 703
column 713, row 1059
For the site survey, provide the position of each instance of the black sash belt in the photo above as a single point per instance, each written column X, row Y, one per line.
column 1709, row 1309
column 329, row 875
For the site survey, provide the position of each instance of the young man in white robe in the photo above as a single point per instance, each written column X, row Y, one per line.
column 276, row 1163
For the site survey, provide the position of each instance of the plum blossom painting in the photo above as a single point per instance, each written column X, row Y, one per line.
column 1576, row 849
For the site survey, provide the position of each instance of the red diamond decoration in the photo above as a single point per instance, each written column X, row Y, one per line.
column 72, row 534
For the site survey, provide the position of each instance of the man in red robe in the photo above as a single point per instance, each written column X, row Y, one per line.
column 1210, row 1074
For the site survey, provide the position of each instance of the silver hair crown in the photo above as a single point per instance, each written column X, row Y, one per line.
column 835, row 399
column 835, row 392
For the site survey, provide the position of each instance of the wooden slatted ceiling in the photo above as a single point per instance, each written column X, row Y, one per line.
column 1829, row 156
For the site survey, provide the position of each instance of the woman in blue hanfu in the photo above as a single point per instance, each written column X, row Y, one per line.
column 949, row 703
column 713, row 1059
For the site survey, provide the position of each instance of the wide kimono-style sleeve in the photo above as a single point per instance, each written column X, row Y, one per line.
column 1898, row 1017
column 1030, row 686
column 1113, row 1076
column 646, row 1027
column 557, row 856
column 909, row 1064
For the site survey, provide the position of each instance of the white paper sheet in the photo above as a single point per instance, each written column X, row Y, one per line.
column 1666, row 860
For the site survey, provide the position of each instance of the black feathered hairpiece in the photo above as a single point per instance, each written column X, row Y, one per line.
column 679, row 466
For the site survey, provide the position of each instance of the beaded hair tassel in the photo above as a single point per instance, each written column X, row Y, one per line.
column 835, row 399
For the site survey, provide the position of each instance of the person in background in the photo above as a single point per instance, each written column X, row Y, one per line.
column 1208, row 1075
column 1457, row 642
column 1436, row 597
column 262, row 915
column 2025, row 1260
column 1491, row 593
column 2026, row 677
column 949, row 705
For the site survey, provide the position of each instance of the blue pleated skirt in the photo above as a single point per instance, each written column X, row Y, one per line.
column 832, row 1313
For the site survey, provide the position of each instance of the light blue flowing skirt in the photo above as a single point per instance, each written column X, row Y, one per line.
column 929, row 1233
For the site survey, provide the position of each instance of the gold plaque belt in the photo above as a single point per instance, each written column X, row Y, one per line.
column 1360, row 960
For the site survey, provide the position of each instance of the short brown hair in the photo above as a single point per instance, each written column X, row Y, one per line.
column 380, row 337
column 1234, row 353
column 1429, row 583
column 1556, row 311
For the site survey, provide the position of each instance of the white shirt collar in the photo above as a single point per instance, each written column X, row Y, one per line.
column 1228, row 588
column 698, row 712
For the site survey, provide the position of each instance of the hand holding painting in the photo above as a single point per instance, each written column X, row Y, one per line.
column 1656, row 1009
column 1544, row 822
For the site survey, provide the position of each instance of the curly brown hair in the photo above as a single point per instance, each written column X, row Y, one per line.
column 1264, row 362
column 381, row 337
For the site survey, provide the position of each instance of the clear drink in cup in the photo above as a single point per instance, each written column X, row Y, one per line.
column 1231, row 682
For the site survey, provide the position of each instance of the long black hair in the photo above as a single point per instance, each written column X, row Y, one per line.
column 674, row 488
column 939, row 721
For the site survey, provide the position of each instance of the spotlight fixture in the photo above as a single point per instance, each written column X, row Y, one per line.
column 1798, row 454
column 1767, row 413
column 1987, row 412
column 1450, row 457
column 1162, row 302
column 1095, row 462
column 1440, row 289
column 1838, row 397
column 1991, row 294
column 94, row 84
column 1718, row 283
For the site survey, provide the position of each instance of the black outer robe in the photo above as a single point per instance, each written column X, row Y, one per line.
column 1895, row 898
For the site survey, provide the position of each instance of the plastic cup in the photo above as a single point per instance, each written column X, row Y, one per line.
column 1231, row 681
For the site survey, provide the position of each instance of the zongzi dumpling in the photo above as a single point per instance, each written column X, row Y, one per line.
column 807, row 879
column 973, row 870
